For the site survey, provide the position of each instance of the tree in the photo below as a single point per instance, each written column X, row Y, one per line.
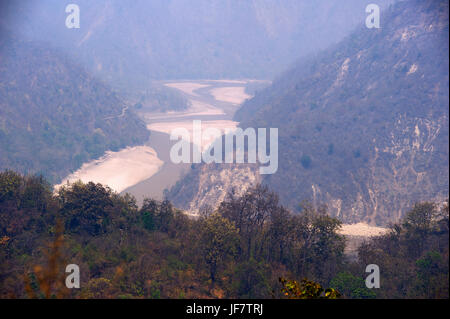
column 413, row 255
column 351, row 286
column 9, row 185
column 319, row 248
column 306, row 161
column 250, row 213
column 306, row 289
column 47, row 282
column 157, row 215
column 418, row 224
column 148, row 213
column 432, row 276
column 280, row 233
column 219, row 240
column 84, row 207
column 250, row 280
column 165, row 216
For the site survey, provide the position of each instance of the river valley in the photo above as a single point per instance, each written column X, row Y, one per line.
column 146, row 170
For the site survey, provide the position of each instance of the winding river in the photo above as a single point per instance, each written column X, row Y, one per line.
column 146, row 170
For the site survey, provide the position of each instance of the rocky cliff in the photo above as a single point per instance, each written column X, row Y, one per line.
column 363, row 126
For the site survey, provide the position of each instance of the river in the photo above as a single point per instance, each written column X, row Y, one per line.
column 146, row 170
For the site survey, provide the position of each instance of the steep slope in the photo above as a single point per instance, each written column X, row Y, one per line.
column 53, row 115
column 364, row 126
column 207, row 185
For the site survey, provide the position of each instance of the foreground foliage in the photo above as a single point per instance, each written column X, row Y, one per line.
column 239, row 251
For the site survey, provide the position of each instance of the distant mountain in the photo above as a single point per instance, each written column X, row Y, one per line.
column 363, row 126
column 53, row 115
column 131, row 42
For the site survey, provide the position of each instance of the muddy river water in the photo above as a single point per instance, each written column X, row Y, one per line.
column 146, row 170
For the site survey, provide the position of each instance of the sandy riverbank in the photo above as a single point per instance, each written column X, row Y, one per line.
column 362, row 229
column 119, row 170
column 197, row 108
column 232, row 94
column 168, row 127
column 140, row 169
column 187, row 87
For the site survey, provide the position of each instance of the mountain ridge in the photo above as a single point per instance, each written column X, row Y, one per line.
column 370, row 116
column 363, row 125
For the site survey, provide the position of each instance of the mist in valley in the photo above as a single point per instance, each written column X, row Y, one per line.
column 94, row 95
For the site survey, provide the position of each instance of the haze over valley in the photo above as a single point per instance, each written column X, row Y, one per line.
column 131, row 169
column 224, row 149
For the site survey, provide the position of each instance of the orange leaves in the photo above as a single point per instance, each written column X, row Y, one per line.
column 49, row 279
column 4, row 240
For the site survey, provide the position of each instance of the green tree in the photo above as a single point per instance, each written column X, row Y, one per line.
column 418, row 225
column 219, row 241
column 250, row 280
column 148, row 213
column 9, row 184
column 351, row 286
column 85, row 207
column 432, row 276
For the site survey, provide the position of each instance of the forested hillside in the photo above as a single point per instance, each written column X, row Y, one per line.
column 54, row 116
column 240, row 251
column 363, row 126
